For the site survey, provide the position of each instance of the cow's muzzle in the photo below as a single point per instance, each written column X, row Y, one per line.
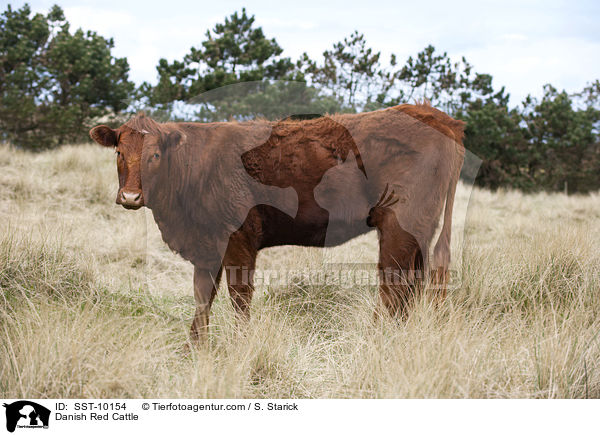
column 130, row 200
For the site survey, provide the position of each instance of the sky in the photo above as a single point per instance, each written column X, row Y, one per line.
column 522, row 44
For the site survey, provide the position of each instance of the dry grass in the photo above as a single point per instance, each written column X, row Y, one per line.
column 94, row 305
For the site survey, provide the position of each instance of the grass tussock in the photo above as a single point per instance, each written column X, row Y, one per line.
column 93, row 304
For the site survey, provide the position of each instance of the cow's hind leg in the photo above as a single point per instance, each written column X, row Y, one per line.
column 400, row 269
column 441, row 252
column 440, row 274
column 239, row 263
column 205, row 289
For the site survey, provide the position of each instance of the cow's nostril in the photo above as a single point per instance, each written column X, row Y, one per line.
column 131, row 198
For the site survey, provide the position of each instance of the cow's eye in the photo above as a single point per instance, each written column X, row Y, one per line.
column 156, row 155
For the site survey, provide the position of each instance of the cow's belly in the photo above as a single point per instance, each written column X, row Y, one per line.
column 339, row 232
column 314, row 228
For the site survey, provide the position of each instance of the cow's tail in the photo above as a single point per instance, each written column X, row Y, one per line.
column 359, row 160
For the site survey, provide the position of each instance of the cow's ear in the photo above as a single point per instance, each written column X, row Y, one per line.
column 170, row 139
column 104, row 135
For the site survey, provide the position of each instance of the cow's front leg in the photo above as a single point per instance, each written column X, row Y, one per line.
column 239, row 264
column 205, row 289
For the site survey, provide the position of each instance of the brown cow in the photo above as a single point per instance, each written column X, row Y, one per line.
column 220, row 192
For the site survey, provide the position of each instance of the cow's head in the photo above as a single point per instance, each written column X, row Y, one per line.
column 160, row 167
column 128, row 144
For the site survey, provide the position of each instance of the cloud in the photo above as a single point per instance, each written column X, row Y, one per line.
column 142, row 40
column 524, row 65
column 287, row 24
column 104, row 21
column 522, row 45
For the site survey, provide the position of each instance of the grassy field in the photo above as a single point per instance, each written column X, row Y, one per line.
column 94, row 305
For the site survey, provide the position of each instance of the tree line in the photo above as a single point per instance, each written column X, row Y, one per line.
column 55, row 83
